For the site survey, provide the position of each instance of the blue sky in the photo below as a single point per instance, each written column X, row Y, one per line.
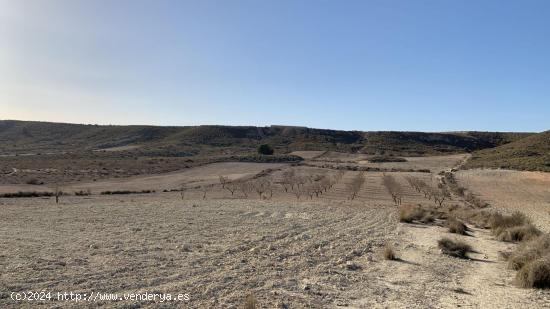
column 356, row 65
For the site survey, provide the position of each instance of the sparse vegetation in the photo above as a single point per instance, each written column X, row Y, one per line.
column 83, row 192
column 410, row 213
column 455, row 226
column 535, row 274
column 250, row 302
column 382, row 159
column 117, row 192
column 34, row 181
column 26, row 194
column 389, row 252
column 454, row 248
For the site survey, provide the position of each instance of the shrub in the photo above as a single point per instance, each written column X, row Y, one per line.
column 454, row 248
column 517, row 233
column 83, row 193
column 383, row 158
column 535, row 274
column 456, row 227
column 265, row 149
column 26, row 194
column 34, row 181
column 506, row 221
column 126, row 192
column 409, row 213
column 529, row 251
column 250, row 302
column 389, row 253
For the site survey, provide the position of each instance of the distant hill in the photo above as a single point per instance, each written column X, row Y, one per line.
column 20, row 137
column 531, row 153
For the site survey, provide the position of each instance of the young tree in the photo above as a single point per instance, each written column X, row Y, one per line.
column 261, row 186
column 393, row 188
column 223, row 181
column 355, row 185
column 57, row 193
column 182, row 192
column 265, row 149
column 244, row 187
column 231, row 187
column 204, row 189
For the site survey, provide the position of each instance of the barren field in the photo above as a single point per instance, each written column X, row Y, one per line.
column 528, row 192
column 288, row 251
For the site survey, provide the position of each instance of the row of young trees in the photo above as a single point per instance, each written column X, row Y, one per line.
column 438, row 193
column 310, row 185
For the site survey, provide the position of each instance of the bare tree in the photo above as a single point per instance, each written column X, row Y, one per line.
column 393, row 188
column 223, row 181
column 57, row 193
column 288, row 180
column 297, row 191
column 440, row 194
column 204, row 190
column 182, row 192
column 355, row 185
column 261, row 186
column 232, row 187
column 244, row 187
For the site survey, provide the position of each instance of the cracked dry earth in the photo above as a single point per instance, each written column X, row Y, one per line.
column 320, row 254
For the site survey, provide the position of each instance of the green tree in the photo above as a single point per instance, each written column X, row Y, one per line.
column 265, row 149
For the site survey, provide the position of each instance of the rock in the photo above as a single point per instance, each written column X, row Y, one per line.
column 352, row 266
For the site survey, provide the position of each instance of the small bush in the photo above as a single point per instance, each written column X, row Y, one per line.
column 382, row 159
column 34, row 181
column 454, row 248
column 535, row 274
column 83, row 193
column 126, row 192
column 26, row 194
column 265, row 149
column 389, row 253
column 506, row 221
column 529, row 251
column 517, row 233
column 456, row 226
column 409, row 213
column 250, row 302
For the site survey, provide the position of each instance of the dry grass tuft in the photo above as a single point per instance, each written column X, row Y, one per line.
column 500, row 221
column 535, row 274
column 529, row 251
column 517, row 233
column 409, row 213
column 250, row 302
column 456, row 227
column 454, row 248
column 389, row 253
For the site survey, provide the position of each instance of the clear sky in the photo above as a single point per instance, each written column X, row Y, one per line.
column 436, row 65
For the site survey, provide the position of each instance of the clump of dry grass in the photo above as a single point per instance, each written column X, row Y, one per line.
column 500, row 221
column 535, row 274
column 454, row 248
column 529, row 251
column 250, row 302
column 517, row 233
column 514, row 227
column 409, row 213
column 476, row 217
column 457, row 227
column 389, row 253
